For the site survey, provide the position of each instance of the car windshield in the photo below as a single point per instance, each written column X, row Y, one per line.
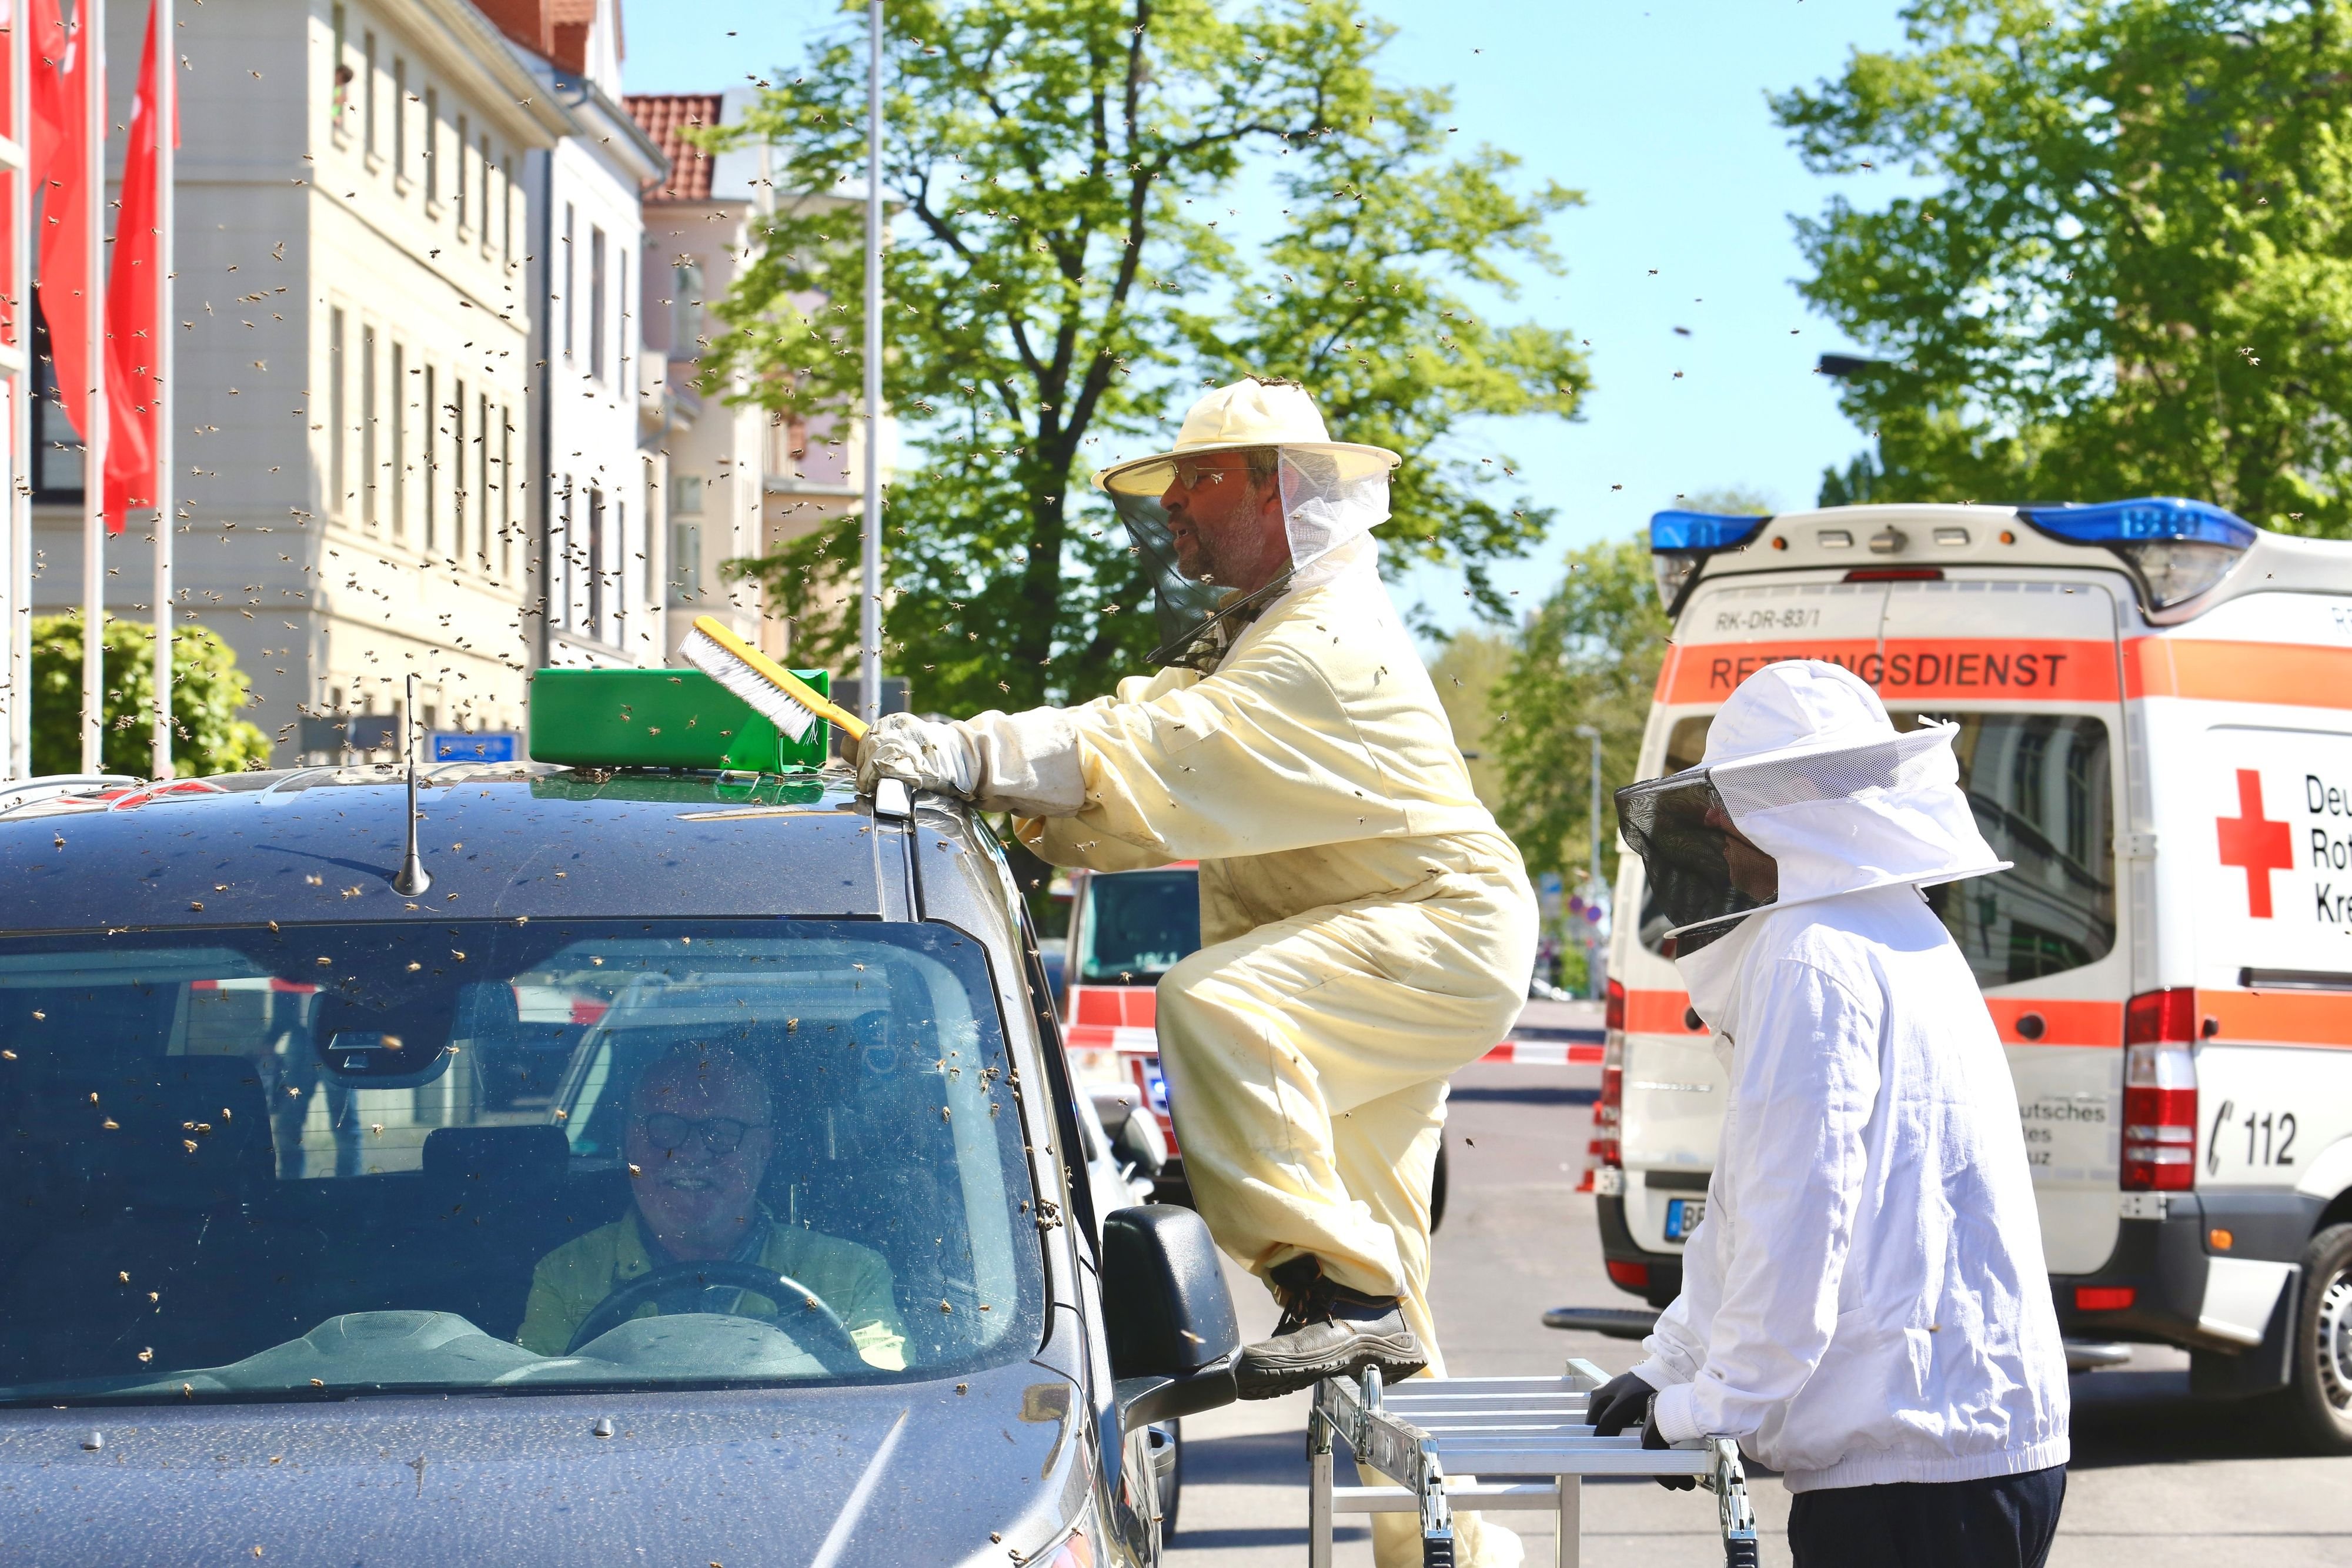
column 262, row 1164
column 2040, row 789
column 1137, row 924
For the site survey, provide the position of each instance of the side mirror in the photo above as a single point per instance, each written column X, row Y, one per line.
column 1168, row 1316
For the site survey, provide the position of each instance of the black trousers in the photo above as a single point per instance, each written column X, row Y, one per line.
column 2003, row 1522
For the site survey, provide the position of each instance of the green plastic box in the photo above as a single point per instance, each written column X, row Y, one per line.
column 663, row 718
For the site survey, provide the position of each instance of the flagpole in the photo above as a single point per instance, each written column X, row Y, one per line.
column 18, row 559
column 166, row 119
column 869, row 608
column 90, row 20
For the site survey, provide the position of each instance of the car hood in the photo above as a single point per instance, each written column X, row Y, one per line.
column 905, row 1473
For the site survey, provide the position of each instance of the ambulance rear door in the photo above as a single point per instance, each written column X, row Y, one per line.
column 2026, row 664
column 2249, row 721
column 1671, row 1085
column 2028, row 667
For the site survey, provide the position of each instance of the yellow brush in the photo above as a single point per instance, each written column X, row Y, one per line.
column 774, row 692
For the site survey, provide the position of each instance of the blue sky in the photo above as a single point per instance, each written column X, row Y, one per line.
column 1655, row 112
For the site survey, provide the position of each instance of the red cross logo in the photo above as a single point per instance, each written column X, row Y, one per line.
column 2253, row 841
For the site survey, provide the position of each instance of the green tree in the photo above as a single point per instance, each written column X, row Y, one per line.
column 2133, row 274
column 1589, row 655
column 1067, row 273
column 1466, row 673
column 207, row 692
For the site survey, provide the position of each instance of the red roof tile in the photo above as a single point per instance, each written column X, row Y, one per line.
column 666, row 117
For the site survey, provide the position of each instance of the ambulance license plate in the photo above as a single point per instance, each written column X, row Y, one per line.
column 1683, row 1216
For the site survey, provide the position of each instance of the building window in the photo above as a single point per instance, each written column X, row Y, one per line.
column 432, row 146
column 686, row 494
column 568, row 216
column 651, row 510
column 685, row 309
column 482, row 475
column 57, row 445
column 486, row 190
column 685, row 559
column 596, row 302
column 341, row 71
column 457, row 468
column 596, row 564
column 506, row 491
column 620, row 638
column 432, row 462
column 460, row 175
column 399, row 441
column 367, row 93
column 367, row 424
column 506, row 199
column 335, row 411
column 620, row 337
column 561, row 566
column 399, row 118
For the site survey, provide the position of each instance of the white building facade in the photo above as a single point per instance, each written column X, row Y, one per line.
column 596, row 477
column 743, row 484
column 353, row 364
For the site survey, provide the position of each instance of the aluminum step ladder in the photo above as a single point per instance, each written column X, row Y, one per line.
column 1532, row 1429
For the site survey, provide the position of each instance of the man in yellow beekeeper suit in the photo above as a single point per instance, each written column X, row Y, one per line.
column 1368, row 928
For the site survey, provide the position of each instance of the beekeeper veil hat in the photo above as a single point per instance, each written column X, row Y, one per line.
column 1804, row 762
column 1333, row 494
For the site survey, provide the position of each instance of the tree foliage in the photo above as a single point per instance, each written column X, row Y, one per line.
column 1589, row 655
column 1466, row 672
column 1068, row 270
column 208, row 693
column 2133, row 274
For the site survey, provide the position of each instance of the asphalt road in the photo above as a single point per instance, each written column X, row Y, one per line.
column 2157, row 1481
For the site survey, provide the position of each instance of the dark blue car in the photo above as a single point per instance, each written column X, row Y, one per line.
column 688, row 1174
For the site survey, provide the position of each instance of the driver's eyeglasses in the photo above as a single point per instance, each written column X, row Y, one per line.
column 719, row 1135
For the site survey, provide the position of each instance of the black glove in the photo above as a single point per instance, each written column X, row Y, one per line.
column 1653, row 1438
column 1620, row 1403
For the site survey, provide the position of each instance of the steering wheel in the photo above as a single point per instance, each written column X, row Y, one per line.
column 781, row 1289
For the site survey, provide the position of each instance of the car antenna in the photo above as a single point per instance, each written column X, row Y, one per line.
column 414, row 878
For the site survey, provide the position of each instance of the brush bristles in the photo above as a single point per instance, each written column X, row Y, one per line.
column 768, row 700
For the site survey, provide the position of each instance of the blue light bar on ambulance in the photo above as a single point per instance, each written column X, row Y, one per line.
column 1680, row 542
column 2176, row 549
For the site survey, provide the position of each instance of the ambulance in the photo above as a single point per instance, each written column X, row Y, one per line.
column 2154, row 708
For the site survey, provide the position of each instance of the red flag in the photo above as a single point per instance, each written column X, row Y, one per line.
column 62, row 70
column 134, row 387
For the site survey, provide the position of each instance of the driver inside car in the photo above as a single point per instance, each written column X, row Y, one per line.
column 698, row 1142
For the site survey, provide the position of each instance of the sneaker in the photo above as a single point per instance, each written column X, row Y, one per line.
column 1327, row 1331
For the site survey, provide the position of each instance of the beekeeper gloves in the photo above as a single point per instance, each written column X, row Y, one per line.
column 1020, row 762
column 920, row 752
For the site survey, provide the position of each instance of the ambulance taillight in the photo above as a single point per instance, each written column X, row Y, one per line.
column 1607, row 1148
column 2161, row 1092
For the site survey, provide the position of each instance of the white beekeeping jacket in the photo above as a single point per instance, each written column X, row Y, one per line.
column 1865, row 1302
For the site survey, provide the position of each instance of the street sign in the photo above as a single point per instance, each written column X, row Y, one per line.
column 482, row 746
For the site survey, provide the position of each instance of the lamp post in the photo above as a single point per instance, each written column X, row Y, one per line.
column 869, row 609
column 1592, row 929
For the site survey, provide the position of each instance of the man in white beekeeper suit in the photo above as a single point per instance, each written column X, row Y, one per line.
column 1368, row 928
column 1864, row 1306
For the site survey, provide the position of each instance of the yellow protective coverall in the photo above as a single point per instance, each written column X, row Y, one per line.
column 1368, row 930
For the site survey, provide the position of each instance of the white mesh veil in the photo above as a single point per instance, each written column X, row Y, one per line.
column 1835, row 819
column 1332, row 497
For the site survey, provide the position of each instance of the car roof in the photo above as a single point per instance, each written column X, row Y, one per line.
column 321, row 844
